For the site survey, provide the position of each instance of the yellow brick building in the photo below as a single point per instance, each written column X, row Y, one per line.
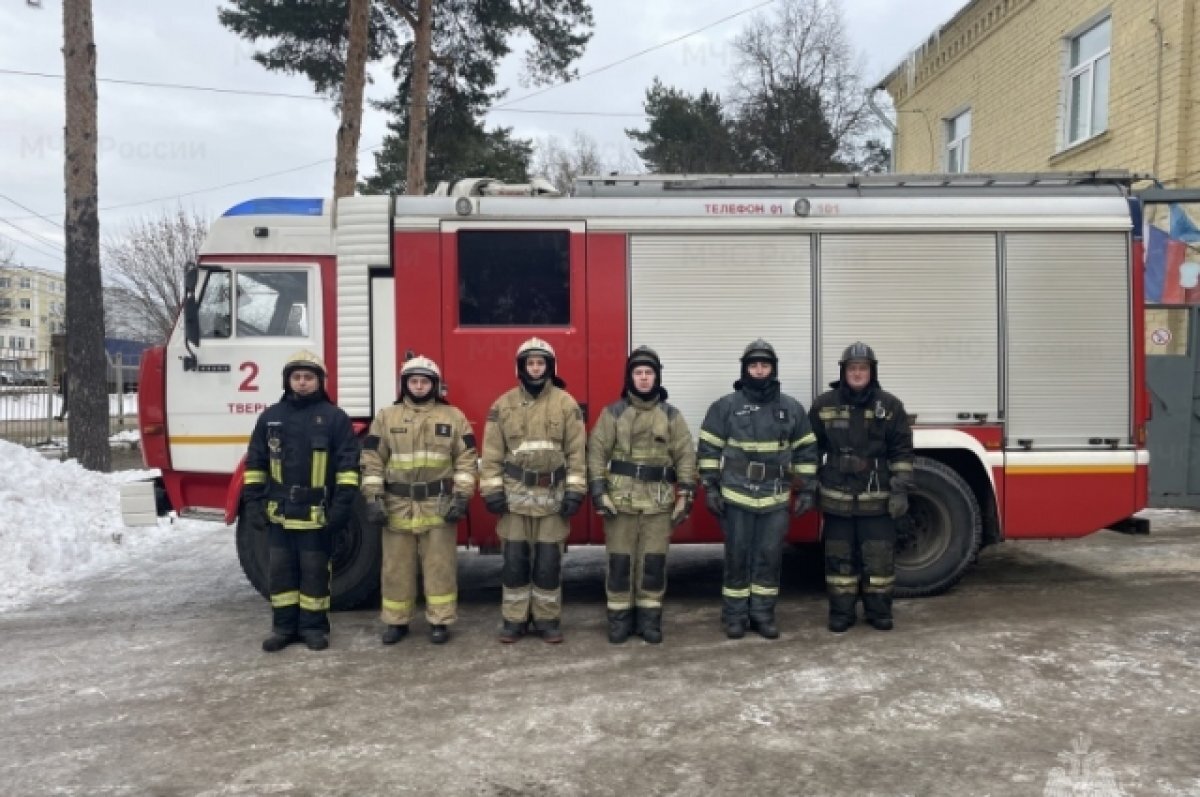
column 1039, row 85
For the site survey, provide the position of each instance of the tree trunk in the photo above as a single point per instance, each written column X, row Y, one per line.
column 350, row 130
column 418, row 111
column 87, row 435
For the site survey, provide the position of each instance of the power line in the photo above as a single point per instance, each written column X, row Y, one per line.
column 16, row 241
column 497, row 107
column 638, row 54
column 285, row 95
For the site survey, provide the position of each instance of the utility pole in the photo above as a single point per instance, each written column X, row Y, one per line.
column 87, row 433
column 350, row 129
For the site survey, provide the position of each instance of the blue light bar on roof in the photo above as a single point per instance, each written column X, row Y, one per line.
column 278, row 206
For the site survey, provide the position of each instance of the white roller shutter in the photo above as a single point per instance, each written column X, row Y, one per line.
column 699, row 299
column 927, row 304
column 363, row 240
column 1067, row 313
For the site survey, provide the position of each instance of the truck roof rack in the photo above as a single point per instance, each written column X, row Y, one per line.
column 1104, row 181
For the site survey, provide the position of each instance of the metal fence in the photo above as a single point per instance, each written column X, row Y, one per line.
column 35, row 409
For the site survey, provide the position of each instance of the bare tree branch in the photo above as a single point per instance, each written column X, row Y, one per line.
column 145, row 267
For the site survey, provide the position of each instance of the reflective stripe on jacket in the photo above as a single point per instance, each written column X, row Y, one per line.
column 866, row 448
column 651, row 433
column 757, row 451
column 543, row 435
column 410, row 443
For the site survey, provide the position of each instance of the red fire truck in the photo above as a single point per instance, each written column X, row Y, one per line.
column 1006, row 311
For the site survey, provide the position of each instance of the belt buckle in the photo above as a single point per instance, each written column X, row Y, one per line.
column 418, row 491
column 757, row 471
column 637, row 471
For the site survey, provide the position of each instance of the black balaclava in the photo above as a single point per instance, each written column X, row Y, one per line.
column 432, row 395
column 644, row 355
column 535, row 387
column 764, row 389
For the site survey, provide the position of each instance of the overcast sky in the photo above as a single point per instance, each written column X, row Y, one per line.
column 160, row 148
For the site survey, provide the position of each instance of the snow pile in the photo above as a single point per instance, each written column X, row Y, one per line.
column 60, row 522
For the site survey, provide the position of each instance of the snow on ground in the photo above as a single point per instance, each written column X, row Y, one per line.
column 60, row 523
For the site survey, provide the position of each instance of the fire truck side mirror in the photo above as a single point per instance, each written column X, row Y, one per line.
column 191, row 309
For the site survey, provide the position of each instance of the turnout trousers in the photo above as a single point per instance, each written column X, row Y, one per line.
column 753, row 561
column 298, row 579
column 434, row 553
column 860, row 554
column 637, row 560
column 531, row 576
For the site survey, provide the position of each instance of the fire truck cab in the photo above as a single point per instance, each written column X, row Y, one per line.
column 1006, row 312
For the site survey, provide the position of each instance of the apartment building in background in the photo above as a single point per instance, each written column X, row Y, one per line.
column 32, row 309
column 1045, row 85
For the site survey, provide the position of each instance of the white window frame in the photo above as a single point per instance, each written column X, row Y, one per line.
column 958, row 146
column 26, row 304
column 26, row 283
column 25, row 322
column 1088, row 68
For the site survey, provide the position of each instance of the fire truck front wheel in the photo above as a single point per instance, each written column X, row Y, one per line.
column 356, row 559
column 941, row 536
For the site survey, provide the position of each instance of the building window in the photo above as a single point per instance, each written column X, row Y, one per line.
column 1087, row 82
column 25, row 322
column 5, row 322
column 26, row 282
column 26, row 304
column 5, row 282
column 958, row 142
column 5, row 304
column 514, row 278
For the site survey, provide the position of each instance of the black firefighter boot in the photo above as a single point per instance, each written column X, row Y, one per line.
column 438, row 634
column 277, row 641
column 765, row 626
column 511, row 632
column 394, row 634
column 620, row 625
column 549, row 630
column 649, row 625
column 316, row 640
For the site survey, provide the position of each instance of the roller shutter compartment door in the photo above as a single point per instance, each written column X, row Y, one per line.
column 927, row 303
column 699, row 299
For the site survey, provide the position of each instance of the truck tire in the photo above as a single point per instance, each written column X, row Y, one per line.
column 356, row 559
column 943, row 536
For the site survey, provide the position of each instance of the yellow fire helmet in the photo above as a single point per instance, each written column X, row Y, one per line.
column 306, row 359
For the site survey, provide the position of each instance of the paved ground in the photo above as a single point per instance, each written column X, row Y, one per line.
column 1073, row 663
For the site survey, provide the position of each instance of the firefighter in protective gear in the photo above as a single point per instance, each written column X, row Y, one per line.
column 301, row 474
column 642, row 471
column 418, row 466
column 533, row 475
column 867, row 470
column 756, row 451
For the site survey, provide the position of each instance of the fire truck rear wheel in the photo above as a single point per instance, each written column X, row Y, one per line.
column 943, row 536
column 356, row 559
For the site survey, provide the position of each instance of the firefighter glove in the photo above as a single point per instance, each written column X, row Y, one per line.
column 457, row 510
column 496, row 503
column 713, row 499
column 376, row 512
column 898, row 505
column 255, row 509
column 683, row 507
column 601, row 500
column 570, row 503
column 805, row 500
